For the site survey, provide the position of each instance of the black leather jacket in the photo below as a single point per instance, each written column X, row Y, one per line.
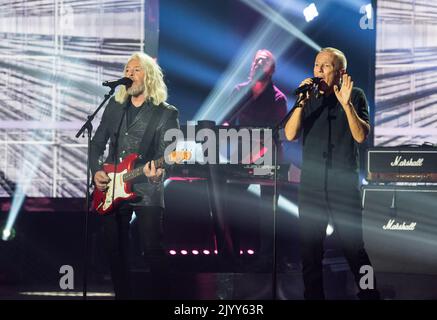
column 129, row 140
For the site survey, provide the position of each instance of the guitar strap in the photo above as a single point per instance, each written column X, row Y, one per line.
column 149, row 134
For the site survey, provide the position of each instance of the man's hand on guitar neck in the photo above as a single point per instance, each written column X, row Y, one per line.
column 101, row 180
column 154, row 175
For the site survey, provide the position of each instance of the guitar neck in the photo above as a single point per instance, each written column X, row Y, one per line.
column 138, row 172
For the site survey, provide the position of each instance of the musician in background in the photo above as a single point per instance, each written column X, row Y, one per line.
column 257, row 103
column 333, row 123
column 135, row 114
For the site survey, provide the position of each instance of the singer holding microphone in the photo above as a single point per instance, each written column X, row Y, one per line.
column 332, row 117
column 135, row 121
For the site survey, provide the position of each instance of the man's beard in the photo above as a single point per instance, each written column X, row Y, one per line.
column 136, row 90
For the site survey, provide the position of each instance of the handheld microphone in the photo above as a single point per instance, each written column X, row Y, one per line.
column 114, row 83
column 306, row 87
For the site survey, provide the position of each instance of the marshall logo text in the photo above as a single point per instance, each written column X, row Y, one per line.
column 399, row 162
column 391, row 225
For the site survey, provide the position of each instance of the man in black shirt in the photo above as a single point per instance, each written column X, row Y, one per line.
column 333, row 120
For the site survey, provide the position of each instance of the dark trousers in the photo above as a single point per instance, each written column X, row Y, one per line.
column 116, row 237
column 344, row 208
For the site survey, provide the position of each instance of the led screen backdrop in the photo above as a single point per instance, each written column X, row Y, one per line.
column 406, row 72
column 54, row 54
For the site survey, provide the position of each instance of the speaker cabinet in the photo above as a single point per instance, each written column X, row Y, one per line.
column 400, row 228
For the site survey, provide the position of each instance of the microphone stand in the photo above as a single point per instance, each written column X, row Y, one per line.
column 89, row 127
column 275, row 135
column 240, row 106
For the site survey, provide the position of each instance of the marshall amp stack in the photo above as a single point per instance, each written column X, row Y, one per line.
column 400, row 209
column 402, row 164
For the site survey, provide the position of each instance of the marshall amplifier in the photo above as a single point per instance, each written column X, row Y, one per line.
column 400, row 228
column 402, row 164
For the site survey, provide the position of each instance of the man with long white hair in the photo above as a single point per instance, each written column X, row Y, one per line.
column 135, row 122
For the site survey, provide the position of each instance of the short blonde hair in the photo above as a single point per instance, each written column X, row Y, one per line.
column 154, row 84
column 341, row 58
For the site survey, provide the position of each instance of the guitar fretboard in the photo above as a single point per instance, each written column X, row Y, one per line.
column 137, row 172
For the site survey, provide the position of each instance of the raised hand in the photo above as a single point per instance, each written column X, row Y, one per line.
column 344, row 94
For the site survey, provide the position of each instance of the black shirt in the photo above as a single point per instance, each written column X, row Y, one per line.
column 265, row 111
column 330, row 153
column 132, row 112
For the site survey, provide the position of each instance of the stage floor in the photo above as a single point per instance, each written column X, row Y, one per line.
column 231, row 286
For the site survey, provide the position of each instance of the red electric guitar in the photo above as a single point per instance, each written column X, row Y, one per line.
column 120, row 186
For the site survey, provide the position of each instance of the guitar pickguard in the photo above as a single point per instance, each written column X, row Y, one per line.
column 115, row 189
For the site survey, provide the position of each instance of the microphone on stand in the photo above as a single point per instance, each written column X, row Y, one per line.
column 307, row 87
column 114, row 83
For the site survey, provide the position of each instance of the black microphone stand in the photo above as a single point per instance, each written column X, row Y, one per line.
column 89, row 127
column 276, row 142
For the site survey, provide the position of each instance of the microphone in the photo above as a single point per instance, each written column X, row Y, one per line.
column 114, row 83
column 306, row 87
